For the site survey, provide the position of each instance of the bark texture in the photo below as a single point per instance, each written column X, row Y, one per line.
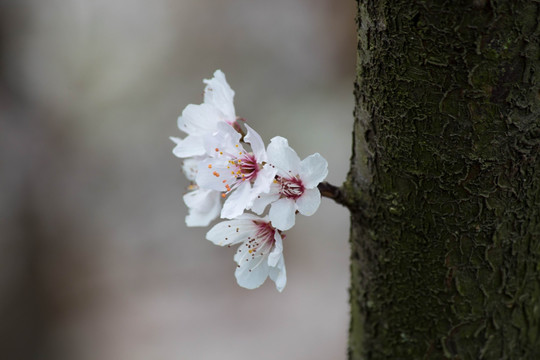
column 445, row 257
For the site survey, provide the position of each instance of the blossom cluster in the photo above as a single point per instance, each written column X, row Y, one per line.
column 257, row 189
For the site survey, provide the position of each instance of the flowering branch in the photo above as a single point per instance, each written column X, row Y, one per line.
column 234, row 176
column 333, row 192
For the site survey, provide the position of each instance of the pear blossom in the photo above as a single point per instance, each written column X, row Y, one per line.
column 294, row 187
column 200, row 120
column 233, row 170
column 260, row 254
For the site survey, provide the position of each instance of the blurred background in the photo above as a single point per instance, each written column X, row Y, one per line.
column 95, row 259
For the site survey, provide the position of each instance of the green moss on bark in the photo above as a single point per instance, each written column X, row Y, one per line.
column 446, row 264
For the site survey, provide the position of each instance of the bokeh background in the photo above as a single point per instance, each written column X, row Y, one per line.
column 95, row 259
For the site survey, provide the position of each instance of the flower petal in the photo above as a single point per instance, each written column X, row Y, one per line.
column 263, row 183
column 277, row 251
column 237, row 201
column 261, row 201
column 213, row 174
column 282, row 213
column 200, row 199
column 231, row 232
column 191, row 145
column 309, row 202
column 257, row 144
column 279, row 274
column 313, row 170
column 226, row 139
column 190, row 167
column 254, row 278
column 199, row 119
column 252, row 268
column 219, row 94
column 281, row 155
column 204, row 206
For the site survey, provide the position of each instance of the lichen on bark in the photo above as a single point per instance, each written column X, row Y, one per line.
column 445, row 253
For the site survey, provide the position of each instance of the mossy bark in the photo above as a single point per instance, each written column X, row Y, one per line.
column 445, row 181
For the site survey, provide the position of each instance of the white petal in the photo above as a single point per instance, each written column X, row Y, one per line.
column 218, row 93
column 201, row 219
column 251, row 279
column 282, row 213
column 190, row 146
column 252, row 270
column 204, row 206
column 237, row 201
column 279, row 275
column 277, row 250
column 257, row 145
column 281, row 155
column 225, row 139
column 190, row 167
column 199, row 119
column 231, row 232
column 313, row 170
column 201, row 199
column 309, row 202
column 212, row 172
column 262, row 201
column 263, row 182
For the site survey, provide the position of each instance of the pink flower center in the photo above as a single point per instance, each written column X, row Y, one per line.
column 241, row 167
column 244, row 168
column 262, row 241
column 248, row 167
column 265, row 231
column 291, row 188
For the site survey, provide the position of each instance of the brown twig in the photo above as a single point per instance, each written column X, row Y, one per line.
column 333, row 192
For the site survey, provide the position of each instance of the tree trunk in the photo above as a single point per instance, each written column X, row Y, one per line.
column 445, row 180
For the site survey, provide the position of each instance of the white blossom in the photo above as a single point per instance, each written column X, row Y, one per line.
column 197, row 121
column 204, row 204
column 294, row 187
column 235, row 171
column 260, row 254
column 221, row 161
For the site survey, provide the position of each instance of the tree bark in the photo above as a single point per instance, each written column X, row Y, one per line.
column 444, row 186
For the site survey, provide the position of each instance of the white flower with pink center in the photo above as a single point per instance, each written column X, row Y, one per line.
column 240, row 175
column 200, row 120
column 294, row 187
column 260, row 254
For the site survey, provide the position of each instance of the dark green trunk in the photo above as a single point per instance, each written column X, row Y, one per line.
column 446, row 249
